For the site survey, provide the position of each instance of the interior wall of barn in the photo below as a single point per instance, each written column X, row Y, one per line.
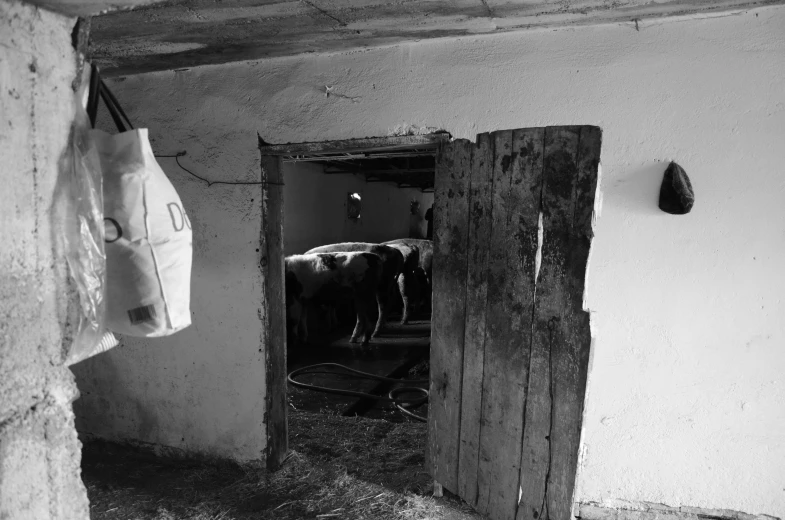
column 39, row 449
column 685, row 391
column 202, row 389
column 315, row 209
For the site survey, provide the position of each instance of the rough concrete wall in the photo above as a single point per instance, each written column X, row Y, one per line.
column 686, row 388
column 200, row 390
column 39, row 450
column 315, row 209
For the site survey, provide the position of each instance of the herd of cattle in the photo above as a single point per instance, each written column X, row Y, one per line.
column 362, row 272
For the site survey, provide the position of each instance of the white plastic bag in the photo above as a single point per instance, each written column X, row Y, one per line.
column 148, row 240
column 78, row 220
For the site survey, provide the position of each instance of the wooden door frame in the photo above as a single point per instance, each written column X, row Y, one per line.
column 272, row 315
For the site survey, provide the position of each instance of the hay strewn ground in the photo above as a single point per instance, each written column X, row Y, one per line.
column 340, row 468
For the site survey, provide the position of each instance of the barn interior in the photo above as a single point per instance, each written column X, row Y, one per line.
column 388, row 182
column 395, row 189
column 681, row 417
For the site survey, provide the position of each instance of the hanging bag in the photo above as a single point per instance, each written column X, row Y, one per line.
column 78, row 221
column 148, row 238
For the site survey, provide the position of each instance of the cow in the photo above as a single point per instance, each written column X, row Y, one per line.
column 314, row 279
column 408, row 285
column 425, row 270
column 392, row 265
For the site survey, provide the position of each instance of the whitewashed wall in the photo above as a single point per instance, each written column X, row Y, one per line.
column 686, row 387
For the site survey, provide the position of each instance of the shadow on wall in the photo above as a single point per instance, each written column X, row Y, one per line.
column 96, row 412
column 638, row 189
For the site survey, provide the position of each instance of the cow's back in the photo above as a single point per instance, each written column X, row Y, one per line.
column 425, row 247
column 411, row 255
column 392, row 258
column 330, row 276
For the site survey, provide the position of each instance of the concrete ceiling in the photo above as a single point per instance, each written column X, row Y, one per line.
column 179, row 34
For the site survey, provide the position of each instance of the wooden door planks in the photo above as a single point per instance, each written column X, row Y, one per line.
column 516, row 205
column 510, row 347
column 453, row 168
column 571, row 354
column 561, row 335
column 273, row 318
column 480, row 187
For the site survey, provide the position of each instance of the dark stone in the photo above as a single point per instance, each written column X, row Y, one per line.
column 676, row 195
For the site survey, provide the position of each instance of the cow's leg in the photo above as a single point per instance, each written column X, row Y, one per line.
column 358, row 329
column 362, row 324
column 414, row 293
column 362, row 303
column 403, row 286
column 382, row 298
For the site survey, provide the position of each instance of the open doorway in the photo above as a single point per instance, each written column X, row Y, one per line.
column 380, row 196
column 510, row 341
column 366, row 191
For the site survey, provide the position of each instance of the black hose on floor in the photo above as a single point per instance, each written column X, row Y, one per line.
column 402, row 404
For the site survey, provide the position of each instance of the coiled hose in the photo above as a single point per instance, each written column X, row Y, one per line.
column 403, row 405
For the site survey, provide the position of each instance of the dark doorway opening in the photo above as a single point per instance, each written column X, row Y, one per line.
column 367, row 191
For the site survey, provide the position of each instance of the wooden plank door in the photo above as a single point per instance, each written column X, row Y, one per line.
column 510, row 339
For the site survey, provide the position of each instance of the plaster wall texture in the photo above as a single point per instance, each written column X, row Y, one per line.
column 39, row 449
column 685, row 392
column 202, row 389
column 315, row 209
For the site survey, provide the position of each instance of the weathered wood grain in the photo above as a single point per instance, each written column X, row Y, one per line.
column 572, row 336
column 480, row 205
column 588, row 175
column 388, row 143
column 510, row 346
column 453, row 167
column 553, row 315
column 272, row 311
column 561, row 336
column 517, row 178
column 89, row 7
column 190, row 33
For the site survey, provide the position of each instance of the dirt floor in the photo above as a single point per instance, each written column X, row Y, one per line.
column 339, row 468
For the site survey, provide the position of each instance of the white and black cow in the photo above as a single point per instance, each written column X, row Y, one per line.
column 424, row 273
column 408, row 284
column 392, row 265
column 314, row 279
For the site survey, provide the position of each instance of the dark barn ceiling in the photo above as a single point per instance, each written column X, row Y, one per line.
column 410, row 171
column 407, row 165
column 178, row 34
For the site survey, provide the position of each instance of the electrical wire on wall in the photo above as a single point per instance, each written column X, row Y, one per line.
column 209, row 182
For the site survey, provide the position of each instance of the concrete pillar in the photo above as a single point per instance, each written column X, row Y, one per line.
column 39, row 450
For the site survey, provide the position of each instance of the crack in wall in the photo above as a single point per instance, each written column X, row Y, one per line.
column 325, row 13
column 488, row 8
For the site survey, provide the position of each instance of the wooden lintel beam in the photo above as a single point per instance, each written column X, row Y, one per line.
column 390, row 143
column 391, row 173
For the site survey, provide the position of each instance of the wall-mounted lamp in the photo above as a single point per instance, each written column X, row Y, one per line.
column 353, row 206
